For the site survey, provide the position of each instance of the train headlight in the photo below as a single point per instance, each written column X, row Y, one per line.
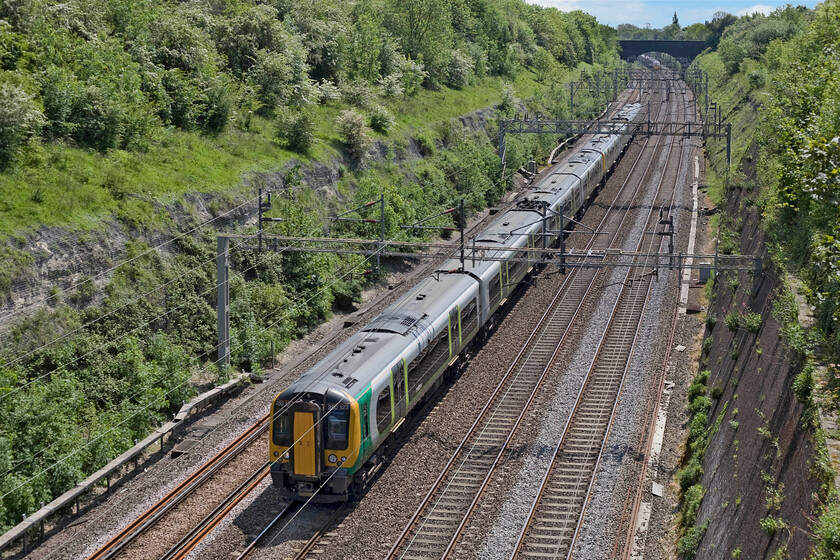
column 332, row 458
column 344, row 459
column 276, row 453
column 286, row 455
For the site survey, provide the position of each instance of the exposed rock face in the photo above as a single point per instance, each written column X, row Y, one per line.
column 757, row 462
column 62, row 257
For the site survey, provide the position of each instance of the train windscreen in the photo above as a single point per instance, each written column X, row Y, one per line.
column 337, row 425
column 282, row 425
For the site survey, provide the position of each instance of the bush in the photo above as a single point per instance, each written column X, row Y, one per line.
column 218, row 105
column 381, row 119
column 691, row 504
column 412, row 76
column 358, row 93
column 508, row 102
column 769, row 525
column 757, row 78
column 296, row 128
column 711, row 321
column 19, row 120
column 328, row 91
column 707, row 344
column 460, row 69
column 732, row 320
column 700, row 404
column 751, row 321
column 827, row 533
column 696, row 389
column 354, row 133
column 687, row 546
column 391, row 85
column 803, row 384
column 690, row 474
column 697, row 428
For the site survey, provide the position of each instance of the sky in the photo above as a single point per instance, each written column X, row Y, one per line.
column 659, row 13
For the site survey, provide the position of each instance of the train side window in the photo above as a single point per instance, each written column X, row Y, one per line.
column 426, row 363
column 383, row 409
column 365, row 421
column 398, row 375
column 469, row 318
column 495, row 291
column 454, row 338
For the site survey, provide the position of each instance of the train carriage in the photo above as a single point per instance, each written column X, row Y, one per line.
column 330, row 428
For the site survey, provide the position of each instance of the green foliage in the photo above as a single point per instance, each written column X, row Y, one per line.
column 751, row 321
column 757, row 78
column 690, row 475
column 733, row 320
column 711, row 321
column 769, row 525
column 732, row 53
column 698, row 385
column 691, row 504
column 380, row 119
column 127, row 106
column 803, row 384
column 20, row 119
column 690, row 541
column 707, row 344
column 460, row 69
column 509, row 101
column 15, row 263
column 700, row 404
column 354, row 133
column 827, row 532
column 296, row 128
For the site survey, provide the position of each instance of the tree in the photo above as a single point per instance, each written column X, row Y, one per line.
column 425, row 30
column 19, row 119
column 716, row 27
column 544, row 63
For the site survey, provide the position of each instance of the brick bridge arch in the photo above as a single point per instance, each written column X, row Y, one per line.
column 630, row 49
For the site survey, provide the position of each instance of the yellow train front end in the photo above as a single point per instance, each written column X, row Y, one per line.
column 315, row 443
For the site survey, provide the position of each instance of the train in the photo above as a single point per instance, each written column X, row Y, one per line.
column 650, row 62
column 331, row 428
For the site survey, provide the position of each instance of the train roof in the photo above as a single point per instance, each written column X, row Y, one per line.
column 352, row 366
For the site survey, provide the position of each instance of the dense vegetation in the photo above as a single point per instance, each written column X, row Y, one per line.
column 112, row 110
column 777, row 78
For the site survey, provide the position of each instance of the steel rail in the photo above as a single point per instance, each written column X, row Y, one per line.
column 310, row 544
column 250, row 548
column 475, row 502
column 142, row 523
column 632, row 348
column 648, row 431
column 600, row 389
column 189, row 541
column 523, row 407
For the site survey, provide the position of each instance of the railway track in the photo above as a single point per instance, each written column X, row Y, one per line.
column 166, row 505
column 133, row 534
column 437, row 524
column 555, row 517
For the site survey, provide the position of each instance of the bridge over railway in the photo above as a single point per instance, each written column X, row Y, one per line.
column 630, row 49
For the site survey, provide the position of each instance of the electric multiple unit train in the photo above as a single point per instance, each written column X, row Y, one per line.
column 331, row 427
